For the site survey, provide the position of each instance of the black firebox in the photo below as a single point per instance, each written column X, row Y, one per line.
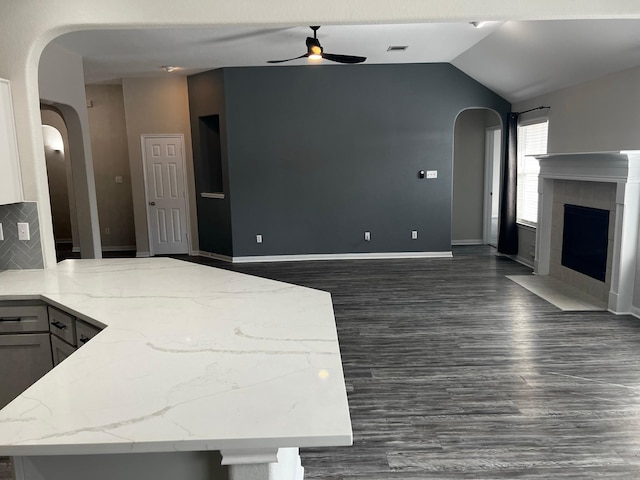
column 585, row 240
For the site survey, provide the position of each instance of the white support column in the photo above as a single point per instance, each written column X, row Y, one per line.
column 625, row 247
column 543, row 232
column 263, row 464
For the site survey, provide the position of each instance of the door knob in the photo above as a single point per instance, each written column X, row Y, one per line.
column 152, row 203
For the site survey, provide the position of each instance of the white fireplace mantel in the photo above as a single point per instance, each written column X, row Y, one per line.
column 621, row 168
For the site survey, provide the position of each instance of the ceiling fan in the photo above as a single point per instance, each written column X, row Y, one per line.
column 316, row 52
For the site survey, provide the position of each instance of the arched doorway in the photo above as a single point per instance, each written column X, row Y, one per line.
column 476, row 177
column 60, row 179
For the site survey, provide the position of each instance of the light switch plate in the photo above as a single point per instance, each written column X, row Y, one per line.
column 1, row 233
column 119, row 179
column 23, row 231
column 432, row 173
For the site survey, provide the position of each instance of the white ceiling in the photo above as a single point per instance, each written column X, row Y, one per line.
column 517, row 60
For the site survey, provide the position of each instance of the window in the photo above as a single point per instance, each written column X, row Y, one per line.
column 532, row 140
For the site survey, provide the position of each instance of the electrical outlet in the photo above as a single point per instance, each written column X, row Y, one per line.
column 414, row 234
column 119, row 179
column 23, row 231
column 367, row 236
column 1, row 233
column 432, row 173
column 258, row 238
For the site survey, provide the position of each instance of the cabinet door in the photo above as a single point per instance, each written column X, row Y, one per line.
column 10, row 179
column 61, row 349
column 24, row 358
column 85, row 332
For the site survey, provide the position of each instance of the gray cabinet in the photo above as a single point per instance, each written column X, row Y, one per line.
column 63, row 334
column 60, row 349
column 25, row 348
column 67, row 333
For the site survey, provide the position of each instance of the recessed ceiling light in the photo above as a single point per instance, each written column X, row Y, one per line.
column 477, row 24
column 168, row 68
column 397, row 48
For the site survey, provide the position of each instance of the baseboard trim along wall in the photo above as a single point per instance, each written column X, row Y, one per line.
column 472, row 241
column 119, row 248
column 635, row 311
column 215, row 256
column 328, row 256
column 523, row 261
column 143, row 254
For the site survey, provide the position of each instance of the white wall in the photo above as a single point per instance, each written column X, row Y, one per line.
column 27, row 26
column 597, row 116
column 61, row 81
column 111, row 159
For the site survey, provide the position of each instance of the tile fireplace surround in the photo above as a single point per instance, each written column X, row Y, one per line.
column 562, row 178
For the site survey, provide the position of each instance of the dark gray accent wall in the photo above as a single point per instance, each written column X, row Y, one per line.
column 319, row 155
column 19, row 254
column 206, row 97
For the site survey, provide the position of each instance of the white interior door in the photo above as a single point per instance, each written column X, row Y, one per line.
column 166, row 199
column 492, row 185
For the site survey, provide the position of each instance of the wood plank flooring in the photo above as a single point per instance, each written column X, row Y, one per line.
column 455, row 372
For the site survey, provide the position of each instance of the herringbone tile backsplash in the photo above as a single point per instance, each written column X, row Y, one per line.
column 19, row 254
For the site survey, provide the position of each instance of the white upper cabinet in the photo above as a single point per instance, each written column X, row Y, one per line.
column 10, row 181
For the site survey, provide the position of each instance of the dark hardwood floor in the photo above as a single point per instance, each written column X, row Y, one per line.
column 455, row 372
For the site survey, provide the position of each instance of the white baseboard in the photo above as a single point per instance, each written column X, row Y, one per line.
column 215, row 256
column 635, row 311
column 143, row 254
column 517, row 258
column 472, row 241
column 75, row 249
column 524, row 261
column 340, row 256
column 119, row 248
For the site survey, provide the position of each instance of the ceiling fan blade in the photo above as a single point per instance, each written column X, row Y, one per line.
column 343, row 58
column 288, row 59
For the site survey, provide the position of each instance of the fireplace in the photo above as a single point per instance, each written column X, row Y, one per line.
column 603, row 229
column 584, row 240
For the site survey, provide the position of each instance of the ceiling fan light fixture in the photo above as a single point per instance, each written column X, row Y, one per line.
column 315, row 53
column 477, row 24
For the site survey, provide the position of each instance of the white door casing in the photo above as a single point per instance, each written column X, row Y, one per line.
column 492, row 185
column 165, row 191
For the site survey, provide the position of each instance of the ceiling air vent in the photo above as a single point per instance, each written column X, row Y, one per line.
column 397, row 48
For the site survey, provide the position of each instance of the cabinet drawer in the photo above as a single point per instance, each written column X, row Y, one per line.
column 60, row 349
column 62, row 325
column 85, row 332
column 23, row 319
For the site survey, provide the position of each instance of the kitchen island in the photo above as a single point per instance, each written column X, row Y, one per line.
column 196, row 367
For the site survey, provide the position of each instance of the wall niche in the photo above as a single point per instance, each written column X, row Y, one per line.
column 211, row 155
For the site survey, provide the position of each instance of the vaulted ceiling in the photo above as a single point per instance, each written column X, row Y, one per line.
column 516, row 59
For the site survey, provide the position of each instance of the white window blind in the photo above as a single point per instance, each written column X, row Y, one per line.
column 532, row 140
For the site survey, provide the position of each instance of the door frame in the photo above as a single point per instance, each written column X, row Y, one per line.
column 488, row 178
column 187, row 193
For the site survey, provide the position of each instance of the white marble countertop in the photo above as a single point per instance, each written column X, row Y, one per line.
column 193, row 358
